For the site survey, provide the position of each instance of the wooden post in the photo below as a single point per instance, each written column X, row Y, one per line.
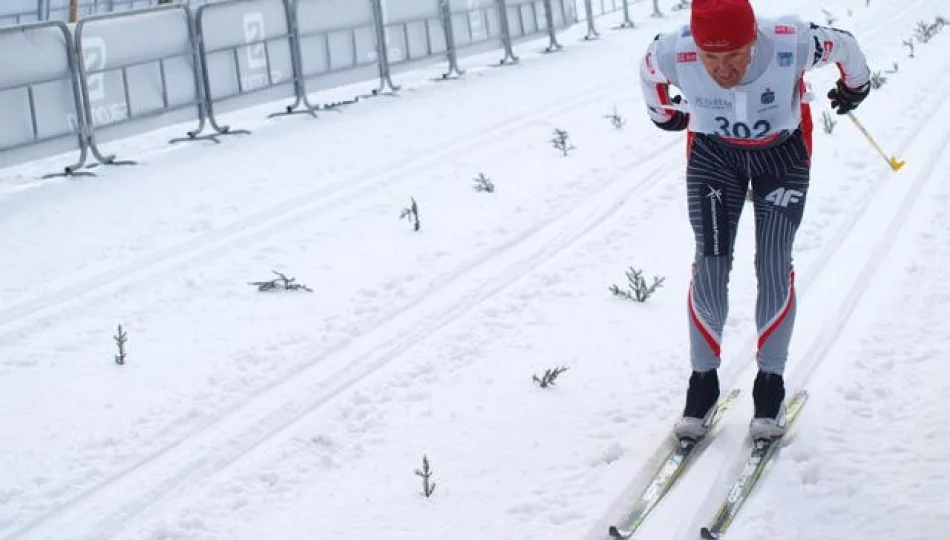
column 73, row 10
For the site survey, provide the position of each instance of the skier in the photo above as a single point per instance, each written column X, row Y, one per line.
column 741, row 83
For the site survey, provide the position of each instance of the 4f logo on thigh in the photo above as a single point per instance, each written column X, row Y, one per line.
column 784, row 197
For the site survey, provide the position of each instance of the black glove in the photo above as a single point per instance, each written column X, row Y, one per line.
column 678, row 121
column 844, row 99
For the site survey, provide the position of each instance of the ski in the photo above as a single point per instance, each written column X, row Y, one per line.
column 762, row 454
column 667, row 474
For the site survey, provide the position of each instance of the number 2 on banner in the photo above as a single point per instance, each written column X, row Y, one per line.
column 94, row 59
column 254, row 35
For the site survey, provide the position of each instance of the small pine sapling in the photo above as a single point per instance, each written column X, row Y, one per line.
column 877, row 80
column 937, row 26
column 615, row 119
column 828, row 122
column 561, row 142
column 281, row 282
column 428, row 486
column 337, row 105
column 829, row 17
column 484, row 184
column 933, row 29
column 893, row 69
column 549, row 377
column 682, row 5
column 909, row 43
column 120, row 338
column 925, row 32
column 637, row 288
column 411, row 213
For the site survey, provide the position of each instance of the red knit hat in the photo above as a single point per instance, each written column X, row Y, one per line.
column 722, row 25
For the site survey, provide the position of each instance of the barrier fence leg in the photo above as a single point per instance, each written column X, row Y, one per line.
column 627, row 23
column 213, row 122
column 203, row 113
column 591, row 31
column 103, row 159
column 450, row 52
column 382, row 51
column 208, row 102
column 552, row 34
column 296, row 63
column 509, row 57
column 200, row 100
column 90, row 127
column 192, row 136
column 80, row 127
column 75, row 169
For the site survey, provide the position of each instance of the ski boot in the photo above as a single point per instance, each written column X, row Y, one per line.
column 701, row 397
column 768, row 394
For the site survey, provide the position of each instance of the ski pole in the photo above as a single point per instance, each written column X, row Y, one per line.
column 892, row 161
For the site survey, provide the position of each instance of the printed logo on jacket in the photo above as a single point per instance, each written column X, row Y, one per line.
column 685, row 57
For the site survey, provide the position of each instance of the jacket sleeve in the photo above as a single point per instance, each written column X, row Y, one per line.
column 822, row 46
column 657, row 73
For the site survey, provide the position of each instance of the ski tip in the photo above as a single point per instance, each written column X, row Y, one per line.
column 614, row 532
column 798, row 399
column 706, row 534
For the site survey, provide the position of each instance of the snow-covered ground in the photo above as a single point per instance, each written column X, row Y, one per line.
column 295, row 415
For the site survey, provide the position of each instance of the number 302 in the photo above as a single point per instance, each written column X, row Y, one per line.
column 740, row 130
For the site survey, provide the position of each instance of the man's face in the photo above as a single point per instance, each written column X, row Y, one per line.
column 727, row 68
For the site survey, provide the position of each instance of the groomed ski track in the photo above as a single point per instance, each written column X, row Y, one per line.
column 216, row 441
column 625, row 187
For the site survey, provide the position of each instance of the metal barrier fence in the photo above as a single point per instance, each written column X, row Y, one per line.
column 20, row 15
column 596, row 8
column 127, row 80
column 40, row 97
column 335, row 47
column 22, row 11
column 78, row 87
column 247, row 47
